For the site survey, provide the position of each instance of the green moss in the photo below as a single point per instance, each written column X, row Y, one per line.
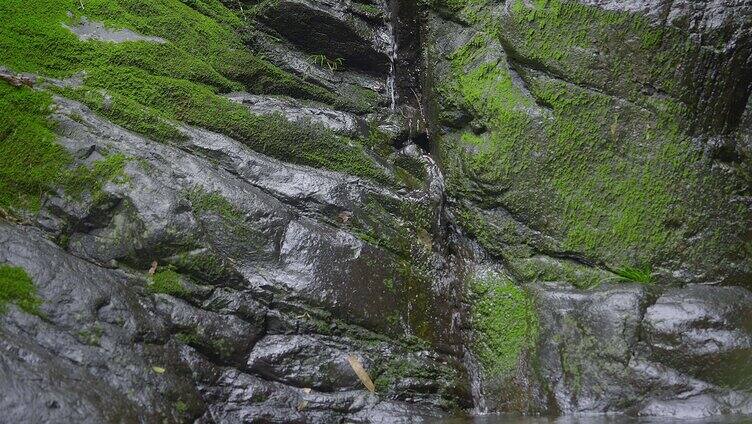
column 487, row 89
column 270, row 134
column 554, row 32
column 414, row 294
column 356, row 99
column 30, row 160
column 92, row 179
column 394, row 225
column 368, row 9
column 391, row 375
column 127, row 113
column 206, row 203
column 220, row 348
column 389, row 284
column 377, row 140
column 189, row 338
column 32, row 163
column 628, row 190
column 618, row 180
column 505, row 324
column 413, row 166
column 17, row 288
column 148, row 85
column 168, row 281
column 201, row 264
column 543, row 268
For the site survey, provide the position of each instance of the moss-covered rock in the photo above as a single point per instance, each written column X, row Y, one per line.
column 565, row 141
column 17, row 288
column 505, row 324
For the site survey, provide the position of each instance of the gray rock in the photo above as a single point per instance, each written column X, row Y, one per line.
column 286, row 270
column 321, row 26
column 305, row 361
column 685, row 354
column 586, row 341
column 88, row 30
column 705, row 332
column 340, row 122
column 93, row 349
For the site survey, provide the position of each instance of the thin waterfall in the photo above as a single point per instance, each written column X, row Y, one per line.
column 392, row 51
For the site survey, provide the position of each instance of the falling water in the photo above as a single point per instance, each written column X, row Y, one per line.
column 392, row 51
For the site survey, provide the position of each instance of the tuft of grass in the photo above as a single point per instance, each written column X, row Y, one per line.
column 321, row 60
column 16, row 287
column 168, row 282
column 181, row 407
column 643, row 275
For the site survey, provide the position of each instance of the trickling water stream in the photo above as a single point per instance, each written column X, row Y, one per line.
column 391, row 24
column 401, row 14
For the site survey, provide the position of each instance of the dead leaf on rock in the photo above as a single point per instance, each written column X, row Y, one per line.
column 16, row 80
column 153, row 268
column 357, row 366
column 345, row 216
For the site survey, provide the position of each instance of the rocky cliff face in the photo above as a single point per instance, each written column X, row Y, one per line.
column 209, row 208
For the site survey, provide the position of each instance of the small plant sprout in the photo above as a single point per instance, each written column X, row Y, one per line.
column 642, row 275
column 333, row 65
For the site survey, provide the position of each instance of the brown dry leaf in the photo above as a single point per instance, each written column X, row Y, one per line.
column 16, row 80
column 345, row 216
column 357, row 366
column 153, row 268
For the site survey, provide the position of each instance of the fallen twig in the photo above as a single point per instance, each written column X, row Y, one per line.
column 357, row 366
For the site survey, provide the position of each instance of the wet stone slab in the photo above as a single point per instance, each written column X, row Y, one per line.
column 88, row 30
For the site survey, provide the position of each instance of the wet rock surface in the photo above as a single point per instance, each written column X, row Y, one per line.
column 276, row 291
column 575, row 203
column 620, row 348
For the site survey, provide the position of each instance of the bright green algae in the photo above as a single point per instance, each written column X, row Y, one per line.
column 30, row 160
column 167, row 281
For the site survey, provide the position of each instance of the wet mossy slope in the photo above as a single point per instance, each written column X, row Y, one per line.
column 595, row 135
column 149, row 86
